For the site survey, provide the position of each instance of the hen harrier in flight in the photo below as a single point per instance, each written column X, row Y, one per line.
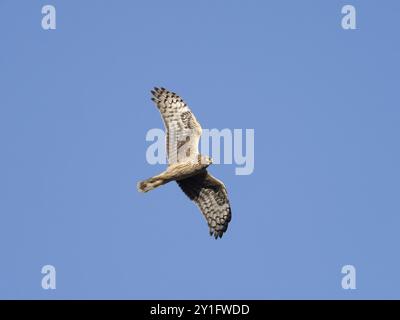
column 186, row 165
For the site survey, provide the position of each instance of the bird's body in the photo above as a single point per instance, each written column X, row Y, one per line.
column 174, row 172
column 186, row 165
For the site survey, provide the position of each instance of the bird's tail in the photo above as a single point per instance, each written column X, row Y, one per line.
column 150, row 184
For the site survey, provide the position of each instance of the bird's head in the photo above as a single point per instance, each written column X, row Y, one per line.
column 205, row 160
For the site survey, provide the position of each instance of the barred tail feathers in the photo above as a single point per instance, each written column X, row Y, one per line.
column 150, row 184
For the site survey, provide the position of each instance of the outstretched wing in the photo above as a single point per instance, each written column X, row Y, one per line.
column 182, row 129
column 211, row 197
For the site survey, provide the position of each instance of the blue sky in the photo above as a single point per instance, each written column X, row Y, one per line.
column 75, row 108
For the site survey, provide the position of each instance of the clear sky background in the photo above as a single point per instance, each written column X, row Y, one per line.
column 75, row 108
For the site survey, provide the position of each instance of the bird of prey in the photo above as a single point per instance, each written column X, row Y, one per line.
column 186, row 165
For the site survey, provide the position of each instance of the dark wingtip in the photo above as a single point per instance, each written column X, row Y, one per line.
column 216, row 234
